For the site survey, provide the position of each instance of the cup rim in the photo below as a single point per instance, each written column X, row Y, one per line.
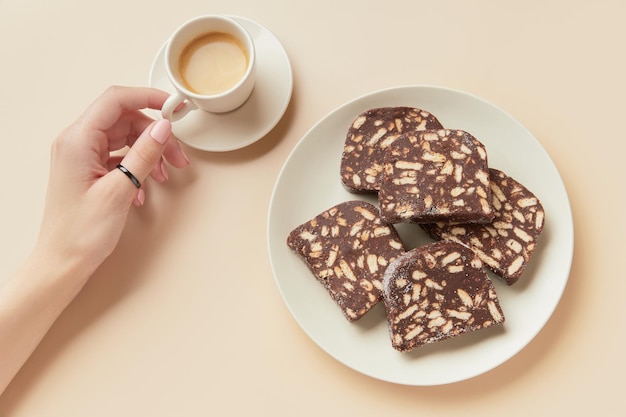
column 249, row 43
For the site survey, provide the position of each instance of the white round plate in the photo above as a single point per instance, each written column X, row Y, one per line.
column 250, row 122
column 309, row 183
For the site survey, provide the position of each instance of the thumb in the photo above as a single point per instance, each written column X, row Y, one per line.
column 147, row 150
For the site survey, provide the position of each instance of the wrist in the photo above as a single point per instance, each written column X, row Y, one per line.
column 31, row 300
column 67, row 272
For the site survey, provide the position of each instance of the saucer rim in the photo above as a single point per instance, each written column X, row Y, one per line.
column 268, row 123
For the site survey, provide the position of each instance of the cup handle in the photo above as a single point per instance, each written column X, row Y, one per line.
column 172, row 109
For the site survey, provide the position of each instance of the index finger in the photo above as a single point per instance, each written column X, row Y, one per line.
column 107, row 109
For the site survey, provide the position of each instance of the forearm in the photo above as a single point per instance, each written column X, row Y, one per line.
column 30, row 301
column 85, row 212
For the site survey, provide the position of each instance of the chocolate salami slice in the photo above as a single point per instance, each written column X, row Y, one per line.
column 507, row 243
column 368, row 138
column 436, row 175
column 348, row 248
column 435, row 292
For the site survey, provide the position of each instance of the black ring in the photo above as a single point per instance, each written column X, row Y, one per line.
column 129, row 175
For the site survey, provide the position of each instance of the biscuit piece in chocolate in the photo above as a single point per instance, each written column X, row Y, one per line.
column 435, row 292
column 436, row 175
column 506, row 244
column 348, row 248
column 368, row 138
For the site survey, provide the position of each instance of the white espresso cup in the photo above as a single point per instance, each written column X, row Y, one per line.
column 211, row 62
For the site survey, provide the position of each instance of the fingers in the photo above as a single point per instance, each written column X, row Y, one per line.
column 127, row 129
column 116, row 113
column 103, row 113
column 147, row 150
column 174, row 153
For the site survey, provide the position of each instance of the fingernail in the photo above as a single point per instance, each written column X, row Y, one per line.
column 164, row 171
column 140, row 197
column 161, row 130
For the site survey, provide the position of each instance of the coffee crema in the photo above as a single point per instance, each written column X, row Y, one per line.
column 213, row 63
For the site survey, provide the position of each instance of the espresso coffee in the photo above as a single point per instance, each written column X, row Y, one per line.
column 213, row 63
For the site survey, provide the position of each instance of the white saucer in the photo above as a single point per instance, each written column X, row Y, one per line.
column 252, row 121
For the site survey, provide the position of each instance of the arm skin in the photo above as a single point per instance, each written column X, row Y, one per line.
column 86, row 209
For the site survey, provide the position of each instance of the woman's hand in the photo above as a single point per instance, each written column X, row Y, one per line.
column 89, row 199
column 86, row 210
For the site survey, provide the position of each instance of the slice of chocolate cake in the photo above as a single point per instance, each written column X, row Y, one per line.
column 507, row 243
column 436, row 175
column 348, row 248
column 368, row 138
column 436, row 292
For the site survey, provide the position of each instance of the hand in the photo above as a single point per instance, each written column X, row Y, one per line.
column 89, row 199
column 86, row 210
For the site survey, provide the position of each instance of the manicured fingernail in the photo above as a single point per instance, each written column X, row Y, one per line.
column 161, row 130
column 164, row 170
column 140, row 197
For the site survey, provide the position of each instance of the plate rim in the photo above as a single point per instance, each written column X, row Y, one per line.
column 558, row 291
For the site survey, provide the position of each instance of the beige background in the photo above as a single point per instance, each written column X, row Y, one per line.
column 155, row 332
